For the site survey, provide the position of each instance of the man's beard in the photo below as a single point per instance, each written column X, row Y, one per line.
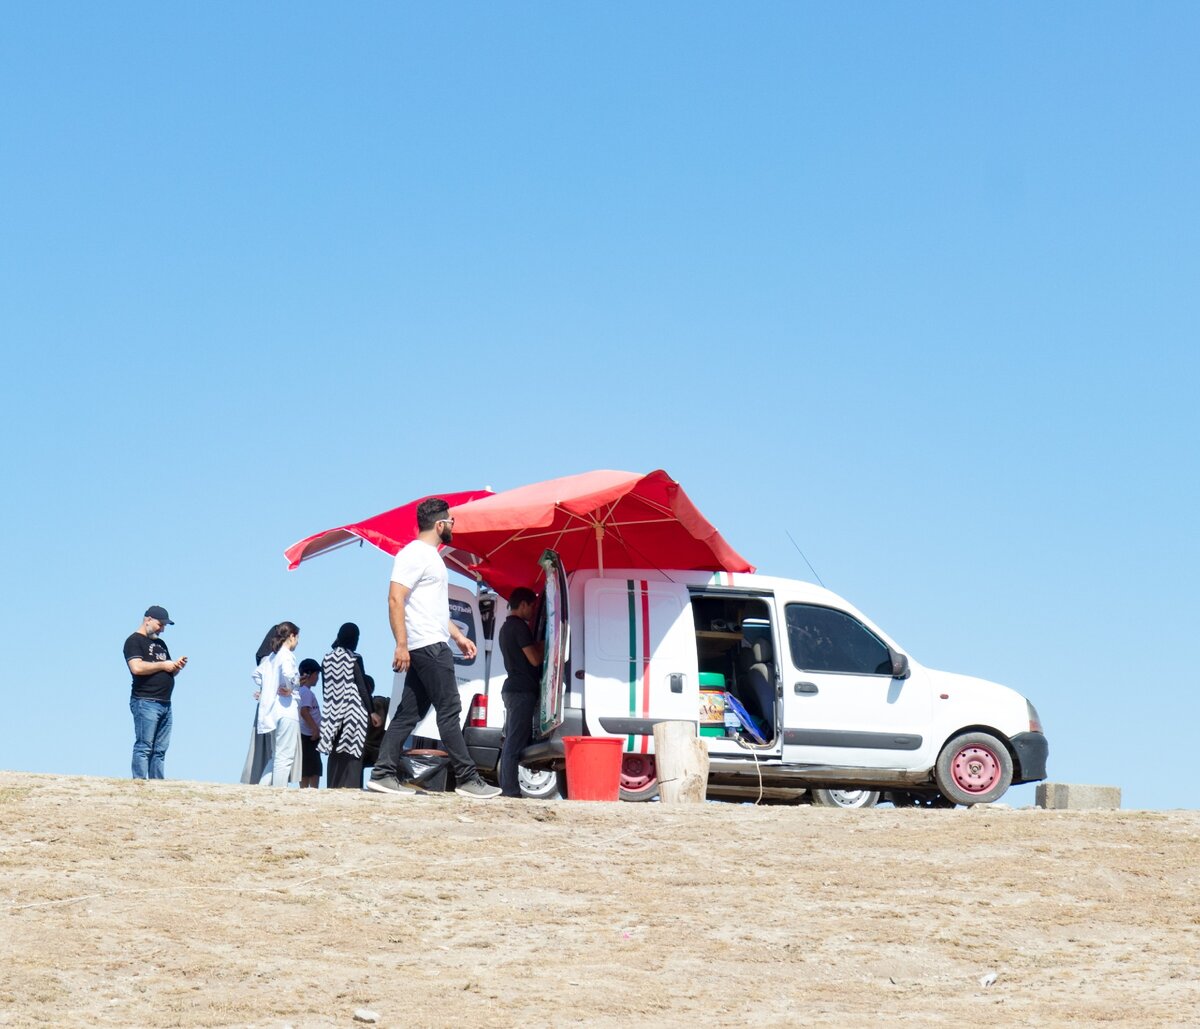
column 446, row 535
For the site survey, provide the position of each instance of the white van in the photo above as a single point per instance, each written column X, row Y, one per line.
column 792, row 688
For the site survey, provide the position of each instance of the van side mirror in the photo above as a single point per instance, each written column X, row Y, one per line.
column 900, row 669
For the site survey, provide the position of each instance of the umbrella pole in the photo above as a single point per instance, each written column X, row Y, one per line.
column 600, row 548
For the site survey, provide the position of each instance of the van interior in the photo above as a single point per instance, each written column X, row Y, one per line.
column 734, row 641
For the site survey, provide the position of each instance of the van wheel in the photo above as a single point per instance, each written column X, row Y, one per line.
column 974, row 768
column 539, row 783
column 639, row 777
column 845, row 798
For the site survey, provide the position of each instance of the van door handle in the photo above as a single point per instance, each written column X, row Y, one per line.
column 806, row 687
column 676, row 682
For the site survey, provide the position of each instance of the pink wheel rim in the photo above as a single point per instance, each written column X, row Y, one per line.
column 975, row 769
column 637, row 772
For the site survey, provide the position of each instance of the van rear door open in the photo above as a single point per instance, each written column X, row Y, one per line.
column 557, row 635
column 640, row 658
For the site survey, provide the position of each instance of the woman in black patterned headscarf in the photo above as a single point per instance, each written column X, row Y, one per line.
column 347, row 707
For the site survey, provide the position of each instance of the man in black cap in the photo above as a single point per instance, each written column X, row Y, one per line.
column 153, row 680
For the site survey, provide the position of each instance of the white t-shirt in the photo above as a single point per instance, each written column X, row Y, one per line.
column 427, row 613
column 308, row 699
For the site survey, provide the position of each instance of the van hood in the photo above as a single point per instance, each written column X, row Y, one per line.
column 959, row 686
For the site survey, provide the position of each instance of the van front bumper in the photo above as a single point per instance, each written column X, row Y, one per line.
column 1032, row 750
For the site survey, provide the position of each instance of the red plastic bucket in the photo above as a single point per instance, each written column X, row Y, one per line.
column 593, row 767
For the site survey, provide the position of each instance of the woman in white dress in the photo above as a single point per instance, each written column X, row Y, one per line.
column 278, row 677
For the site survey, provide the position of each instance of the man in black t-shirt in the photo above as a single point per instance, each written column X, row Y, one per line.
column 150, row 701
column 523, row 662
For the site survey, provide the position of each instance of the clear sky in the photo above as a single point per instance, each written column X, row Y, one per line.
column 916, row 283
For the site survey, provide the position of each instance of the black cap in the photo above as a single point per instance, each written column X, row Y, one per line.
column 154, row 611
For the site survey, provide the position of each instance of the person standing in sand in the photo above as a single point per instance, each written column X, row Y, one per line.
column 262, row 744
column 347, row 710
column 278, row 681
column 310, row 725
column 154, row 674
column 523, row 662
column 419, row 610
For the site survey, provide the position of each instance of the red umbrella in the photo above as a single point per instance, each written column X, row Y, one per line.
column 593, row 520
column 388, row 531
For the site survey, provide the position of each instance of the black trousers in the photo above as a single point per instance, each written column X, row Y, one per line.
column 310, row 757
column 430, row 681
column 344, row 772
column 518, row 733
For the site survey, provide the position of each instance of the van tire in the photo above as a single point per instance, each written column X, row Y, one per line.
column 639, row 777
column 848, row 799
column 541, row 783
column 974, row 768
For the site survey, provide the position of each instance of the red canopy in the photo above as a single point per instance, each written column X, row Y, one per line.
column 388, row 531
column 603, row 519
column 594, row 520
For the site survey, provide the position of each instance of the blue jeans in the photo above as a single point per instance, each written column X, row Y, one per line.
column 152, row 734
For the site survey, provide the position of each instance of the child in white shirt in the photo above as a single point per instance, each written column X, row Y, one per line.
column 310, row 725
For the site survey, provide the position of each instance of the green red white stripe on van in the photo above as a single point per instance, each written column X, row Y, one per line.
column 721, row 579
column 638, row 593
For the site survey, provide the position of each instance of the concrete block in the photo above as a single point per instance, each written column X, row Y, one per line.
column 1063, row 796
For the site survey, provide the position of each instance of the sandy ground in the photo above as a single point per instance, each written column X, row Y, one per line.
column 190, row 904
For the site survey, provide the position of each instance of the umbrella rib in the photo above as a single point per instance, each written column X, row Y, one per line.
column 607, row 519
column 584, row 527
column 585, row 522
column 639, row 521
column 654, row 505
column 503, row 543
column 631, row 498
column 604, row 521
column 635, row 550
column 558, row 533
column 523, row 535
column 561, row 533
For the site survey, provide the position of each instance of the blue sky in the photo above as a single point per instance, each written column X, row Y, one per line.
column 914, row 283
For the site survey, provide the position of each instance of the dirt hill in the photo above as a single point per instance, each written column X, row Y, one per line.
column 162, row 904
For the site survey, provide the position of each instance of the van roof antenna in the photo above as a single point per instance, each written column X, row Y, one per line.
column 806, row 560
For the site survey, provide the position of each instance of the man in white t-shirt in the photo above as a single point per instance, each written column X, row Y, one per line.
column 419, row 609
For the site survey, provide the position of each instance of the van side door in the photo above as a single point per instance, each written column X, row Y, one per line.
column 640, row 659
column 842, row 706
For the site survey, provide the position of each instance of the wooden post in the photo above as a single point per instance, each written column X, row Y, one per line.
column 682, row 762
